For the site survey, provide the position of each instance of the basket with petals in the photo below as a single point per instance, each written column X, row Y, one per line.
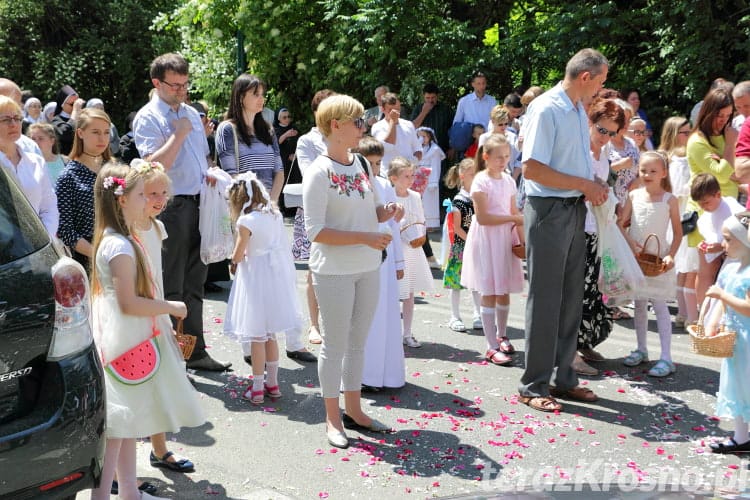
column 651, row 264
column 720, row 345
column 185, row 341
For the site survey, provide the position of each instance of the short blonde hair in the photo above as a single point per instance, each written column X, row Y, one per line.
column 9, row 105
column 337, row 107
column 398, row 165
column 499, row 113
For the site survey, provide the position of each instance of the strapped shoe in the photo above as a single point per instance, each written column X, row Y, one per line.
column 505, row 345
column 662, row 368
column 578, row 393
column 498, row 358
column 456, row 325
column 181, row 465
column 541, row 403
column 730, row 446
column 635, row 358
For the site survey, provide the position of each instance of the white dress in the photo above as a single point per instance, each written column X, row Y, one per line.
column 432, row 158
column 686, row 258
column 649, row 217
column 164, row 403
column 384, row 350
column 263, row 299
column 417, row 274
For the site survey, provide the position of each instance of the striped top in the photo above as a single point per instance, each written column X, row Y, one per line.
column 263, row 160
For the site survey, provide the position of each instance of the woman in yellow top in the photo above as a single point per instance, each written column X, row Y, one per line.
column 710, row 149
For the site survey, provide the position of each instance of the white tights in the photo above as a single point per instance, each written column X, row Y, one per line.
column 119, row 454
column 663, row 323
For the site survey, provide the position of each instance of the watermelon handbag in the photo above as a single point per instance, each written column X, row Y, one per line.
column 139, row 364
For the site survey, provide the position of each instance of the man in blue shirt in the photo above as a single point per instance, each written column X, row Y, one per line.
column 170, row 132
column 558, row 176
column 476, row 107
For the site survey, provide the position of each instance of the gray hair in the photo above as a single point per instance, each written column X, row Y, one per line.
column 585, row 60
column 741, row 89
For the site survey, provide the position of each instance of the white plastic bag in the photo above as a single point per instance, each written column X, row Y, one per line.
column 217, row 240
column 619, row 275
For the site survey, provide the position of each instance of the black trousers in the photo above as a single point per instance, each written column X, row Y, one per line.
column 183, row 271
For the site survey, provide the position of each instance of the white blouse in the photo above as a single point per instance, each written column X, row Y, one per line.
column 33, row 179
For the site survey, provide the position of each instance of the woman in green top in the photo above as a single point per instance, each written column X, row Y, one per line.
column 710, row 149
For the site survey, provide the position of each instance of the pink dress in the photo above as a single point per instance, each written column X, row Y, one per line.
column 489, row 266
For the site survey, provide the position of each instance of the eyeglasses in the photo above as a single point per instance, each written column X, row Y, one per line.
column 604, row 131
column 637, row 132
column 7, row 120
column 178, row 86
column 359, row 122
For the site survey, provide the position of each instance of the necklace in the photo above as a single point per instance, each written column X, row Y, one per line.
column 95, row 157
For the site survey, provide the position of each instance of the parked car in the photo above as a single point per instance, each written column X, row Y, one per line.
column 52, row 411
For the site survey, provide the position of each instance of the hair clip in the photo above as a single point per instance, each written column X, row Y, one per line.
column 110, row 181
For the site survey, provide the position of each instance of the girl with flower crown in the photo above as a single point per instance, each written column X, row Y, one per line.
column 145, row 379
column 263, row 300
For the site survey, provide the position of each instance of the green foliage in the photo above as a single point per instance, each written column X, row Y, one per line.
column 670, row 51
column 56, row 42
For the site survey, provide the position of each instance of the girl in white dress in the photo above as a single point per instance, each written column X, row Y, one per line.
column 263, row 300
column 150, row 232
column 652, row 209
column 125, row 315
column 384, row 351
column 417, row 274
column 432, row 158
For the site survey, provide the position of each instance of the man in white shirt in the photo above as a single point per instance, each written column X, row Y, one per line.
column 475, row 107
column 398, row 136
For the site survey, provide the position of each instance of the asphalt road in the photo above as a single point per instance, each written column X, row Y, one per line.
column 460, row 430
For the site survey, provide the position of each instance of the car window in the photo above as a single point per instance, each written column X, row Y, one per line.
column 21, row 231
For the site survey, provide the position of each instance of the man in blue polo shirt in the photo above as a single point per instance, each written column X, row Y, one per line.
column 169, row 131
column 558, row 178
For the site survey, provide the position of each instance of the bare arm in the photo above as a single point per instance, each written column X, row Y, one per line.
column 278, row 184
column 456, row 214
column 329, row 236
column 674, row 218
column 426, row 108
column 481, row 206
column 123, row 278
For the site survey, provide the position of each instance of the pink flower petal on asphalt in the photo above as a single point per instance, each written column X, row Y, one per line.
column 323, row 494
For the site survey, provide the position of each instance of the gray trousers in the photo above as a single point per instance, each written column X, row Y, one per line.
column 556, row 265
column 347, row 305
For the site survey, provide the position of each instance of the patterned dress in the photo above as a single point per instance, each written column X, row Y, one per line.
column 452, row 275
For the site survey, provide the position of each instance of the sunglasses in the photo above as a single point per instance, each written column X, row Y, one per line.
column 637, row 132
column 604, row 131
column 359, row 122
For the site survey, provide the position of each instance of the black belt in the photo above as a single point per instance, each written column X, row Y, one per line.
column 572, row 200
column 194, row 197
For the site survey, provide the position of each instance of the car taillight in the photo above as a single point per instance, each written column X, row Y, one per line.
column 72, row 331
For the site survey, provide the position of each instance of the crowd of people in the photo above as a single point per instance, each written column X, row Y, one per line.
column 521, row 178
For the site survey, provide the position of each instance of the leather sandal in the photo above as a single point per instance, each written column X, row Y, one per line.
column 505, row 345
column 583, row 394
column 541, row 403
column 498, row 358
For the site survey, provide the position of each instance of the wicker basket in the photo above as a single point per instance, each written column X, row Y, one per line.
column 718, row 346
column 650, row 264
column 414, row 234
column 185, row 341
column 519, row 250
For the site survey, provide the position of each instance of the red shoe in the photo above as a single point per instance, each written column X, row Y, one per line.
column 498, row 358
column 255, row 397
column 505, row 345
column 273, row 392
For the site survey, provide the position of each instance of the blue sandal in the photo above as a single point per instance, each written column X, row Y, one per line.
column 635, row 358
column 662, row 368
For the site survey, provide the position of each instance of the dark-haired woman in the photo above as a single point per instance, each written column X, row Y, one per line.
column 246, row 142
column 257, row 147
column 710, row 149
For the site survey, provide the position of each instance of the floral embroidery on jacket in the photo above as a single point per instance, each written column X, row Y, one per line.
column 346, row 184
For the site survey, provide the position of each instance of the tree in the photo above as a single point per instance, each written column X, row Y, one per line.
column 53, row 43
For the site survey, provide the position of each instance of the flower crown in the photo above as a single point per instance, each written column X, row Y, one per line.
column 110, row 181
column 144, row 167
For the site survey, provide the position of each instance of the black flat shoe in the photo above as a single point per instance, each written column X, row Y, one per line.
column 730, row 446
column 304, row 356
column 145, row 487
column 375, row 426
column 208, row 363
column 248, row 360
column 371, row 389
column 182, row 465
